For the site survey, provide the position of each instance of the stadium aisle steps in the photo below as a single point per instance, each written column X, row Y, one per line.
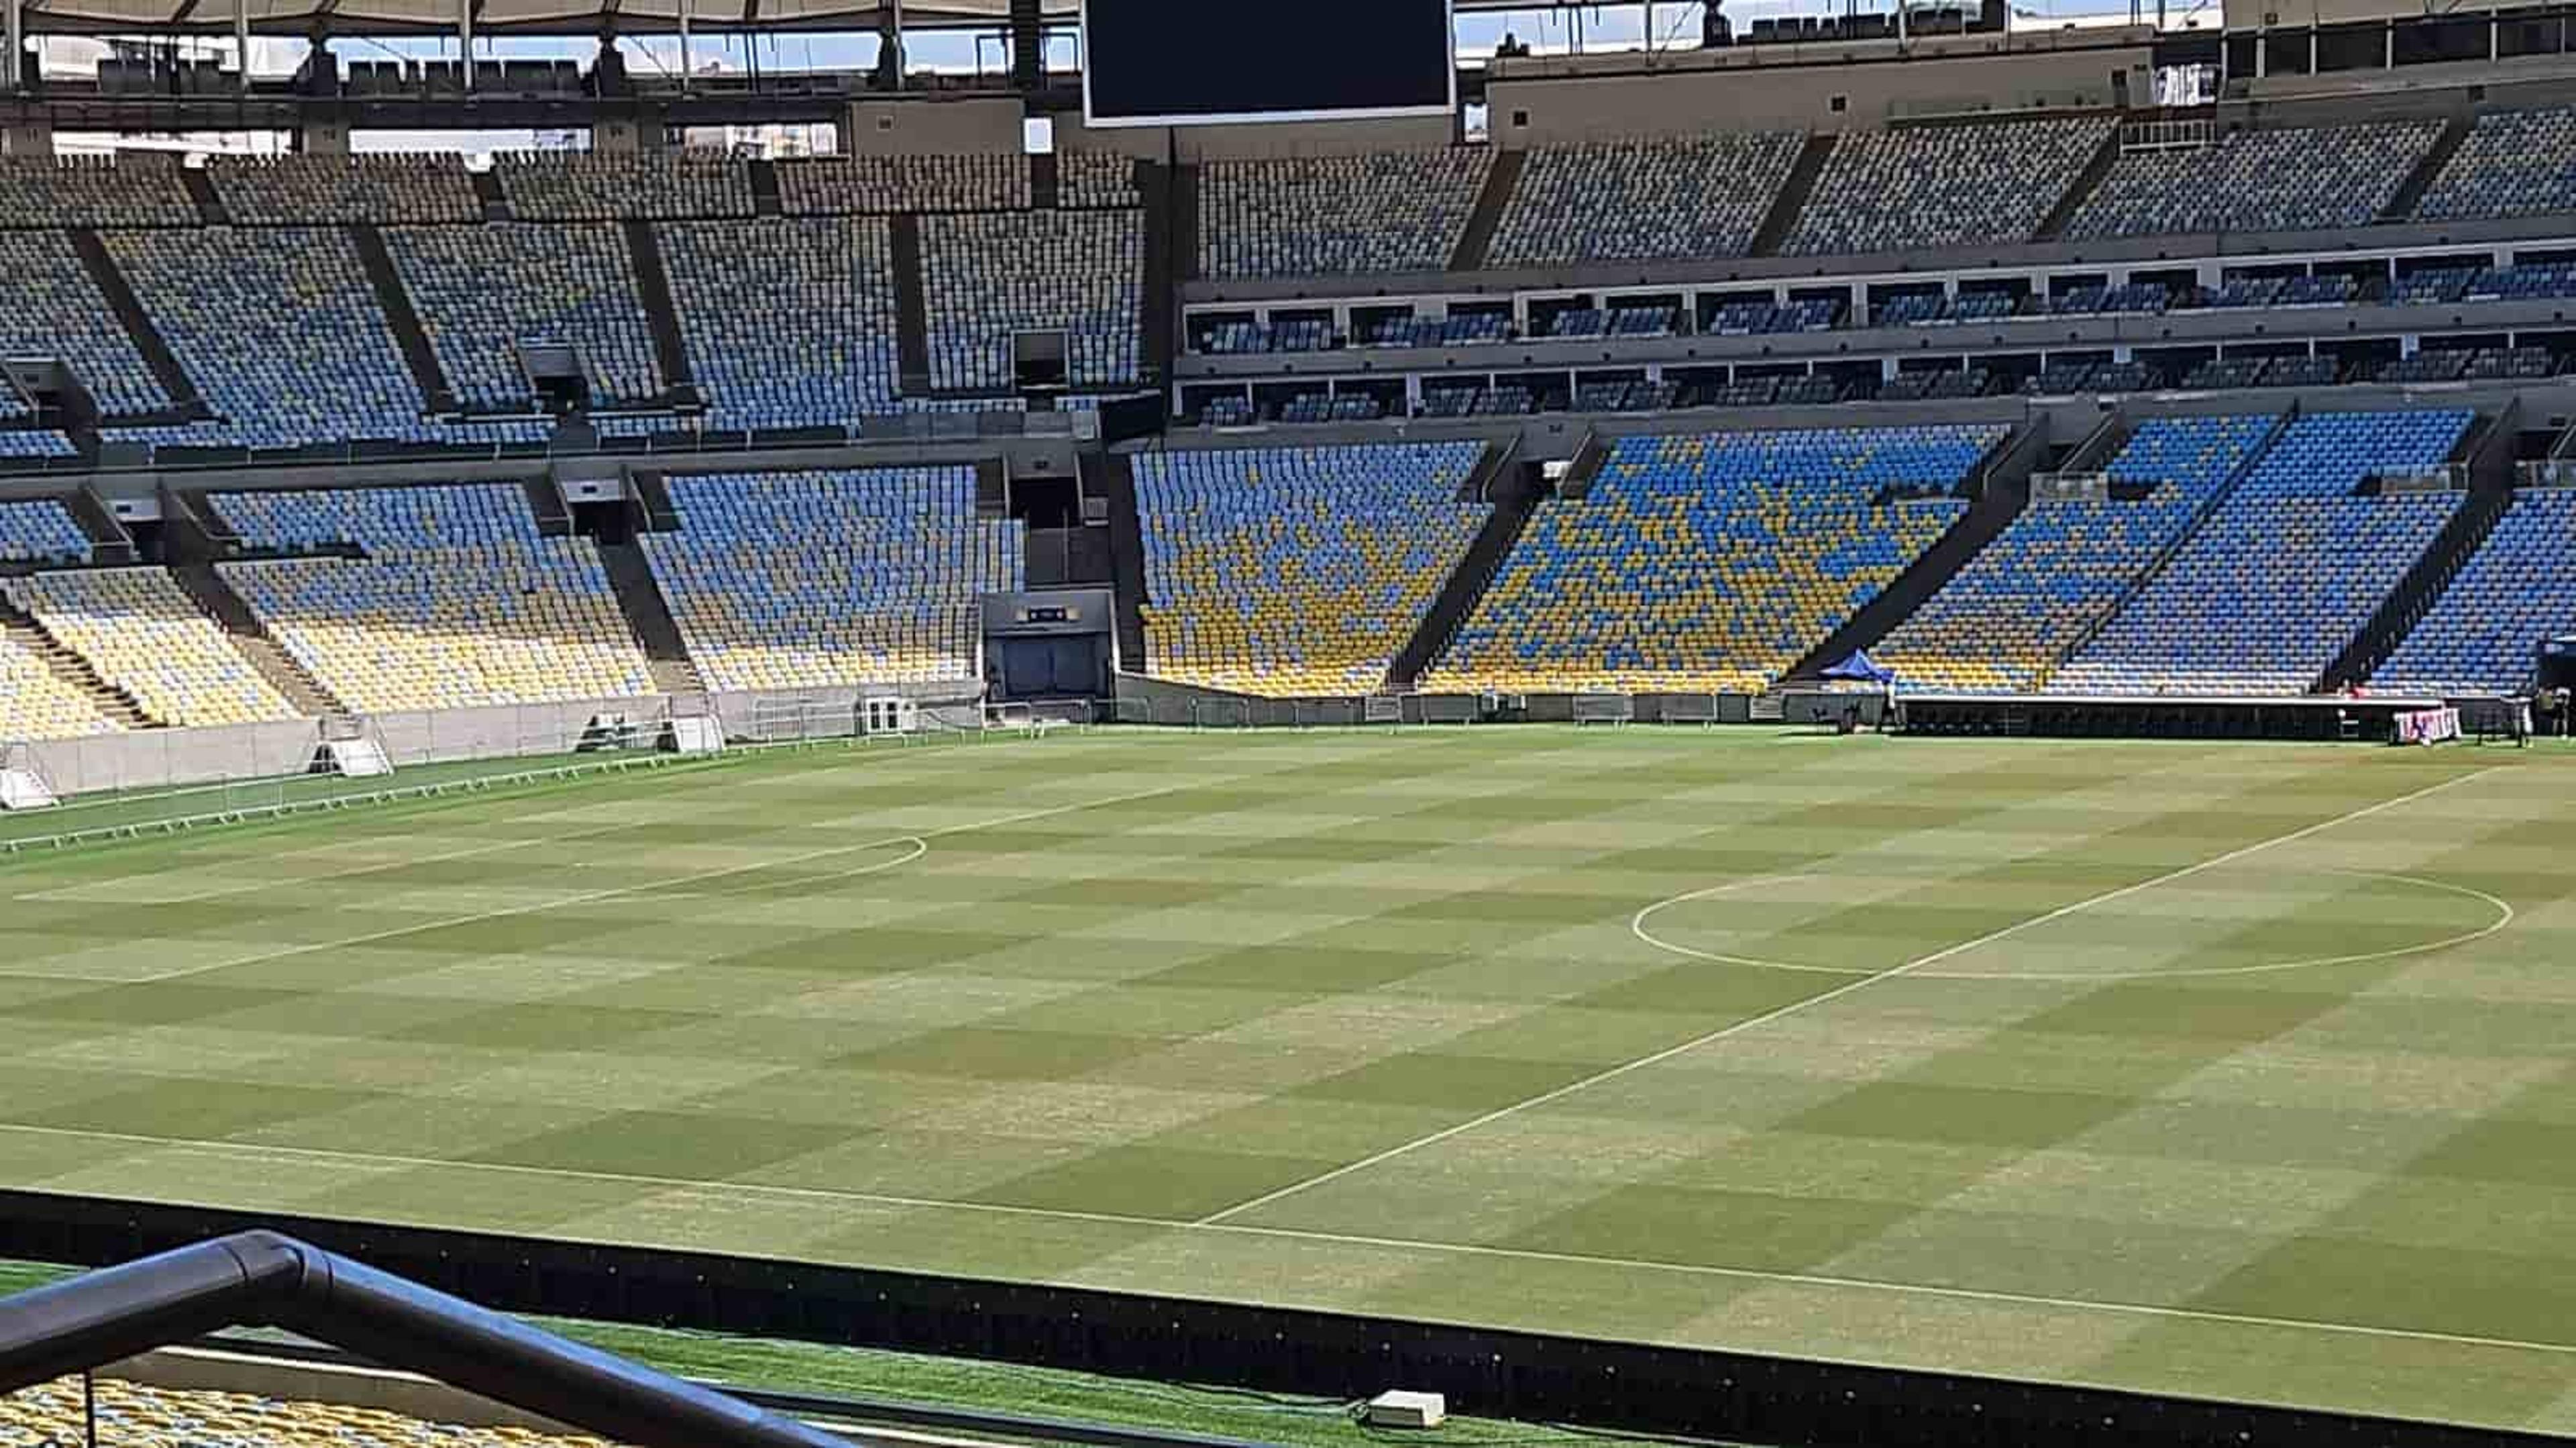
column 1478, row 238
column 1513, row 490
column 108, row 540
column 74, row 671
column 147, row 338
column 2416, row 593
column 653, row 287
column 765, row 200
column 1185, row 220
column 546, row 502
column 648, row 613
column 2007, row 493
column 417, row 354
column 487, row 189
column 2147, row 576
column 201, row 190
column 653, row 496
column 2410, row 194
column 1046, row 181
column 1793, row 196
column 911, row 308
column 2053, row 225
column 202, row 583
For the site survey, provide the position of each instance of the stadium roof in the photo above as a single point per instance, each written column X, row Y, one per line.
column 583, row 17
column 555, row 17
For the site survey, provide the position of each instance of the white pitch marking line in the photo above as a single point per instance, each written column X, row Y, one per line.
column 239, row 1150
column 593, row 897
column 1751, row 1023
column 2504, row 917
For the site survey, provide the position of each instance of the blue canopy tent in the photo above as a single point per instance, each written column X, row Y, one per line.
column 1860, row 668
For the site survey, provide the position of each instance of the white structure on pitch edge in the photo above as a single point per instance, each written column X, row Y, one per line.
column 1406, row 1410
column 25, row 789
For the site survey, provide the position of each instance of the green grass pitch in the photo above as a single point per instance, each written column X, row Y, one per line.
column 2245, row 1071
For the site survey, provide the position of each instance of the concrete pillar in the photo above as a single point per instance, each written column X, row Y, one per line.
column 13, row 21
column 27, row 138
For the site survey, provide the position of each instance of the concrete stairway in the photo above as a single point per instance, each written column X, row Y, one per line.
column 911, row 309
column 648, row 614
column 1792, row 199
column 1514, row 491
column 119, row 706
column 1478, row 238
column 251, row 639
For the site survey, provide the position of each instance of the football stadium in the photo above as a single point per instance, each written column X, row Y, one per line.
column 1294, row 725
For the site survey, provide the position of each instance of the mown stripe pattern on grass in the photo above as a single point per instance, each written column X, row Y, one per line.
column 1043, row 1010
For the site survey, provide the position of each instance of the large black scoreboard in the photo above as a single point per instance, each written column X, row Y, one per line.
column 1189, row 62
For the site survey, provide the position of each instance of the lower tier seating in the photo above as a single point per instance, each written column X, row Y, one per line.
column 457, row 602
column 41, row 532
column 131, row 1416
column 2286, row 571
column 1287, row 572
column 2003, row 621
column 2516, row 590
column 144, row 635
column 825, row 579
column 1703, row 563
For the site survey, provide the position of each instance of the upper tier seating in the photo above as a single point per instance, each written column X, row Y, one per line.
column 2326, row 177
column 1943, row 185
column 481, row 291
column 36, row 443
column 1286, row 572
column 813, row 344
column 51, row 308
column 2003, row 621
column 458, row 602
column 1097, row 180
column 2516, row 590
column 884, row 185
column 403, row 186
column 280, row 329
column 132, row 188
column 1643, row 200
column 131, row 1416
column 605, row 186
column 41, row 532
column 1705, row 563
column 142, row 634
column 2285, row 571
column 829, row 579
column 985, row 277
column 2513, row 163
column 35, row 704
column 1390, row 211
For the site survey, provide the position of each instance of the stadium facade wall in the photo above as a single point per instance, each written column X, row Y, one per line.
column 161, row 759
column 952, row 126
column 1803, row 98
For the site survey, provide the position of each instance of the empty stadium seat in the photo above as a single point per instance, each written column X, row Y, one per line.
column 1665, row 198
column 886, row 185
column 1097, row 181
column 483, row 291
column 2283, row 574
column 2002, row 621
column 144, row 635
column 457, row 603
column 986, row 277
column 41, row 532
column 1292, row 572
column 422, row 188
column 1943, row 185
column 1712, row 562
column 51, row 308
column 833, row 579
column 2313, row 178
column 127, row 188
column 2512, row 163
column 1389, row 211
column 35, row 703
column 281, row 330
column 2517, row 589
column 813, row 344
column 611, row 186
